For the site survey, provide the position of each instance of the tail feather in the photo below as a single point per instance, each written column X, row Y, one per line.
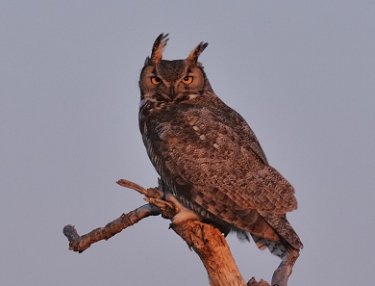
column 284, row 230
column 275, row 247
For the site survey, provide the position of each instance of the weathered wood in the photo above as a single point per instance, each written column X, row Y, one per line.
column 206, row 240
column 213, row 250
column 80, row 243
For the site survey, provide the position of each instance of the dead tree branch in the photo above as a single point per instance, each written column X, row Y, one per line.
column 204, row 239
column 81, row 243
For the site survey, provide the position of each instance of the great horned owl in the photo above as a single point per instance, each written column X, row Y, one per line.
column 207, row 155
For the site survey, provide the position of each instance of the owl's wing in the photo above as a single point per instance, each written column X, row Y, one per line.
column 215, row 154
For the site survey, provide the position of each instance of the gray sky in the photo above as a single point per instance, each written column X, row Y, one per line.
column 302, row 73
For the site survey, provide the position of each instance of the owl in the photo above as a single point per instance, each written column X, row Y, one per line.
column 207, row 155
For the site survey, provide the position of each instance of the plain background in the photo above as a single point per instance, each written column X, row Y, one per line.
column 302, row 73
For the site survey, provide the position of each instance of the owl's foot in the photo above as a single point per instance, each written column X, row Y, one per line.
column 182, row 214
column 168, row 210
column 172, row 209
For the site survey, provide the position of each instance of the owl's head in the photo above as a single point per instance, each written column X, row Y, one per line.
column 172, row 81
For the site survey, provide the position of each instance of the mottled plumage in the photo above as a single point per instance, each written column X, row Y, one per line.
column 207, row 155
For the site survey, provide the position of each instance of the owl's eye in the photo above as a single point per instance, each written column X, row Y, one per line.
column 187, row 80
column 155, row 80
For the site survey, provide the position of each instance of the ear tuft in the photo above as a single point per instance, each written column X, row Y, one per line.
column 193, row 56
column 158, row 47
column 147, row 61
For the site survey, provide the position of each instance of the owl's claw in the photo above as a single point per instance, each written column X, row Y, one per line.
column 183, row 214
column 168, row 210
column 172, row 209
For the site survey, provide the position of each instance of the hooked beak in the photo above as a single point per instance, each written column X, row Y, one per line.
column 171, row 91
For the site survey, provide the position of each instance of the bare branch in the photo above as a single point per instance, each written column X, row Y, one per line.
column 81, row 243
column 281, row 275
column 213, row 250
column 151, row 192
column 206, row 240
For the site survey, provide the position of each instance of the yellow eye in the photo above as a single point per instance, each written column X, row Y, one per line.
column 187, row 80
column 155, row 80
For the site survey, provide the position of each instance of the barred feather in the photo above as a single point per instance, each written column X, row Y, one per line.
column 208, row 157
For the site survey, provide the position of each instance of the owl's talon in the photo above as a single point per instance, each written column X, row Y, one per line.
column 171, row 225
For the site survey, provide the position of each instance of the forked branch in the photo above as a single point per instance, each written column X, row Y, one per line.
column 206, row 240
